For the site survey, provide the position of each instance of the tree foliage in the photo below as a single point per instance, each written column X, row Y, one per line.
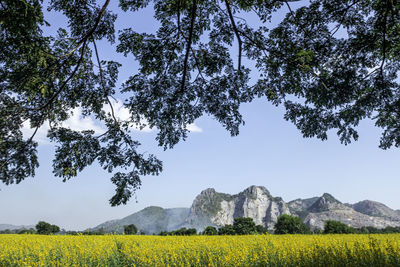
column 180, row 231
column 244, row 226
column 336, row 227
column 130, row 229
column 330, row 64
column 226, row 230
column 45, row 228
column 210, row 230
column 261, row 229
column 288, row 224
column 240, row 226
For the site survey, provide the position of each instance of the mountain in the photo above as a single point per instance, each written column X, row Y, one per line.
column 376, row 209
column 327, row 207
column 15, row 227
column 213, row 208
column 149, row 220
column 348, row 216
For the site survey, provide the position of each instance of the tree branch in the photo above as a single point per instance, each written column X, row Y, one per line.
column 91, row 31
column 117, row 125
column 178, row 19
column 259, row 45
column 384, row 39
column 194, row 55
column 334, row 31
column 66, row 81
column 82, row 43
column 189, row 44
column 228, row 8
column 104, row 86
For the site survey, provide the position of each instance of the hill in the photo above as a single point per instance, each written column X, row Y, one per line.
column 213, row 208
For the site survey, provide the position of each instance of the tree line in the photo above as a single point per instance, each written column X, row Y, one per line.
column 286, row 224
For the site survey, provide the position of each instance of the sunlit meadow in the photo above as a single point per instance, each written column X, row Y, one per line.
column 255, row 250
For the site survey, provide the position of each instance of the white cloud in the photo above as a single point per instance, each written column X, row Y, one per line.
column 78, row 122
column 194, row 128
column 75, row 122
column 41, row 134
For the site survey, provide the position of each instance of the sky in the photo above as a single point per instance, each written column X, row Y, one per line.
column 269, row 151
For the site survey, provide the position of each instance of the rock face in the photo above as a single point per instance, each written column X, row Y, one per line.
column 205, row 206
column 299, row 207
column 212, row 208
column 218, row 209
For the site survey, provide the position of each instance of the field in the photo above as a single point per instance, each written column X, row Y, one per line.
column 257, row 250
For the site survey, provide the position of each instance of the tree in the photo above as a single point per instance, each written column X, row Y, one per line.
column 181, row 231
column 26, row 231
column 244, row 226
column 287, row 224
column 45, row 228
column 336, row 227
column 330, row 64
column 210, row 230
column 102, row 231
column 226, row 230
column 261, row 229
column 130, row 229
column 191, row 231
column 54, row 229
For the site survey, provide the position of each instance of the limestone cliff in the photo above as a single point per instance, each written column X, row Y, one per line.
column 219, row 209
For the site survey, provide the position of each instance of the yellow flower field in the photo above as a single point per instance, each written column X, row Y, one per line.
column 257, row 250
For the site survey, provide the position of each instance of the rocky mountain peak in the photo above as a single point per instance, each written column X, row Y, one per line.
column 325, row 203
column 255, row 191
column 209, row 192
column 330, row 198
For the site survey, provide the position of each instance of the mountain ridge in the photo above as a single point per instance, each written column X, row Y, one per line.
column 15, row 227
column 217, row 209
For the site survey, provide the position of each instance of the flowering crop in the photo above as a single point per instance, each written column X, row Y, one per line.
column 254, row 250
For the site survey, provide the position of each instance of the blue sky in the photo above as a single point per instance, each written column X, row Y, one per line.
column 269, row 151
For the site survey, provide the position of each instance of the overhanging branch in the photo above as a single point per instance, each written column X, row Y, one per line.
column 235, row 29
column 189, row 45
column 82, row 43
